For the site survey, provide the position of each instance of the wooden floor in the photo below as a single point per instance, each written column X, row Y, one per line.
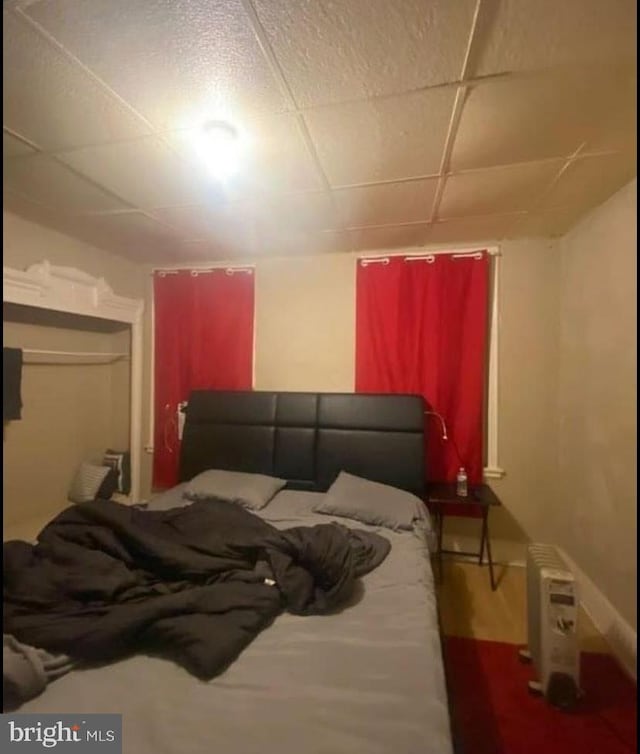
column 469, row 608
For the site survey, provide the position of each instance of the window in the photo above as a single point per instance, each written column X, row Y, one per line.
column 427, row 323
column 203, row 340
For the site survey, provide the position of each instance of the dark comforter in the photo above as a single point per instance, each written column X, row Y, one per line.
column 194, row 584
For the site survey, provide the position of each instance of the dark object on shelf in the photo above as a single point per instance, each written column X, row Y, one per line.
column 120, row 461
column 11, row 384
column 109, row 485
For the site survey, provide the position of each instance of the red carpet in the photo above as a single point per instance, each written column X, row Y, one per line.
column 494, row 713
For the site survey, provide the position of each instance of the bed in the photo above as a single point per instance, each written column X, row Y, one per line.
column 367, row 678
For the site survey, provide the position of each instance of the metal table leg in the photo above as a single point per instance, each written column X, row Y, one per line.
column 486, row 539
column 483, row 537
column 440, row 529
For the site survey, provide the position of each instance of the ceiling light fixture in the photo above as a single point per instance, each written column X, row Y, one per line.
column 219, row 145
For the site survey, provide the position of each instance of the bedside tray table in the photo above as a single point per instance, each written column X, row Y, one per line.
column 441, row 499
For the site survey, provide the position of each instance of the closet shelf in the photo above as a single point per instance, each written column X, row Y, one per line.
column 38, row 356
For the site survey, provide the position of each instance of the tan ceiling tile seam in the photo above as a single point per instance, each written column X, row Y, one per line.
column 471, row 81
column 458, row 106
column 454, row 122
column 507, row 165
column 407, row 224
column 586, row 154
column 552, row 183
column 8, row 192
column 235, row 201
column 513, row 219
column 93, row 183
column 285, row 88
column 400, row 94
column 59, row 221
column 112, row 93
column 108, row 212
column 22, row 139
column 514, row 213
column 267, row 52
column 412, row 223
column 84, row 178
column 150, row 216
column 85, row 69
column 161, row 135
column 385, row 182
column 479, row 19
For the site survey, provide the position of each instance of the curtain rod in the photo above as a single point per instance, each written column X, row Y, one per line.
column 40, row 352
column 425, row 255
column 197, row 269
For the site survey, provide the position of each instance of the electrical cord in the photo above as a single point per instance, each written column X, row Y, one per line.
column 446, row 437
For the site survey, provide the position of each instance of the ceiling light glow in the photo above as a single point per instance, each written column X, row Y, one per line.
column 219, row 145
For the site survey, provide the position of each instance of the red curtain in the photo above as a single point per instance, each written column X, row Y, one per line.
column 421, row 327
column 203, row 340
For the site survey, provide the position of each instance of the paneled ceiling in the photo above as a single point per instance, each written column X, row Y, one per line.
column 367, row 124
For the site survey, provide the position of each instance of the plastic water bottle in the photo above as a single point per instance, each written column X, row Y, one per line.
column 462, row 488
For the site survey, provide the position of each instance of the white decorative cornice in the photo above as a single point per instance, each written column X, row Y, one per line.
column 66, row 289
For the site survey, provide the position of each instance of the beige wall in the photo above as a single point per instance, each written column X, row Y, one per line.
column 26, row 243
column 305, row 324
column 528, row 352
column 596, row 514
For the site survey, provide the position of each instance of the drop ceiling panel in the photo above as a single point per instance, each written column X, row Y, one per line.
column 198, row 250
column 388, row 139
column 548, row 224
column 303, row 243
column 145, row 173
column 390, row 237
column 496, row 191
column 387, row 203
column 184, row 61
column 131, row 234
column 272, row 216
column 44, row 180
column 526, row 35
column 333, row 52
column 588, row 182
column 533, row 118
column 299, row 212
column 273, row 157
column 190, row 222
column 616, row 127
column 12, row 147
column 471, row 229
column 53, row 102
column 234, row 229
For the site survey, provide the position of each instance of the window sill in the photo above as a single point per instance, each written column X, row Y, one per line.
column 493, row 472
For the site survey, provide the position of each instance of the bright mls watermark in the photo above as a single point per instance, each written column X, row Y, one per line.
column 77, row 734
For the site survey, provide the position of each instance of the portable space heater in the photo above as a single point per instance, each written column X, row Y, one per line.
column 552, row 598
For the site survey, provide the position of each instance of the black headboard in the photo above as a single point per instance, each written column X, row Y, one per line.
column 306, row 438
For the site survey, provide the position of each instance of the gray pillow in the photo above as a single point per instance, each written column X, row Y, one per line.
column 87, row 482
column 172, row 498
column 252, row 491
column 371, row 503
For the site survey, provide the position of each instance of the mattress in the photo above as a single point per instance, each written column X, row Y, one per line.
column 367, row 679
